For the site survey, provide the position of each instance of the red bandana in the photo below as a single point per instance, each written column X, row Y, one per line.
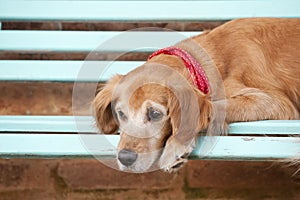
column 195, row 69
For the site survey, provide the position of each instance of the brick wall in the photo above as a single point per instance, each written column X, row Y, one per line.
column 89, row 179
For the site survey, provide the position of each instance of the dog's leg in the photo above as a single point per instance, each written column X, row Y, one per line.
column 175, row 154
column 250, row 104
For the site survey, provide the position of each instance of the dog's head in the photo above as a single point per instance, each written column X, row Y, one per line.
column 158, row 112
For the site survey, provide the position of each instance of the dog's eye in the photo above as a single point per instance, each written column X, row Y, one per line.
column 154, row 115
column 121, row 115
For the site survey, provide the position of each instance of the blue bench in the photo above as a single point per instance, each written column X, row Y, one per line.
column 55, row 136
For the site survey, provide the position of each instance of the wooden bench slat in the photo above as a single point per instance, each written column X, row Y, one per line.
column 104, row 146
column 145, row 10
column 87, row 41
column 72, row 124
column 54, row 145
column 249, row 148
column 46, row 124
column 63, row 71
column 290, row 127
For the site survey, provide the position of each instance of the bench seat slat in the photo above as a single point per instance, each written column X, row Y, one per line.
column 249, row 148
column 54, row 145
column 104, row 146
column 46, row 124
column 145, row 10
column 281, row 127
column 63, row 71
column 86, row 41
column 72, row 124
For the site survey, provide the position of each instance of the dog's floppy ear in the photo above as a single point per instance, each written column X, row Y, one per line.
column 102, row 107
column 205, row 107
column 189, row 114
column 201, row 102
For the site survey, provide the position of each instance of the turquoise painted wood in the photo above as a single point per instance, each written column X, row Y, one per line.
column 56, row 145
column 262, row 140
column 86, row 124
column 145, row 10
column 267, row 127
column 248, row 148
column 63, row 71
column 47, row 124
column 103, row 146
column 87, row 41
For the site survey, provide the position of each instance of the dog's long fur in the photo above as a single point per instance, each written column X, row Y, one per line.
column 258, row 63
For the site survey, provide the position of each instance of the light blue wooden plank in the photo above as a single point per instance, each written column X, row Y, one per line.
column 87, row 41
column 104, row 146
column 56, row 145
column 47, row 124
column 50, row 70
column 249, row 148
column 20, row 123
column 266, row 127
column 144, row 10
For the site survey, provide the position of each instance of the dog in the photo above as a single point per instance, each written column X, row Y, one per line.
column 243, row 70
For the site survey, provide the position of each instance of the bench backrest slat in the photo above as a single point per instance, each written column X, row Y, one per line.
column 63, row 71
column 87, row 41
column 145, row 10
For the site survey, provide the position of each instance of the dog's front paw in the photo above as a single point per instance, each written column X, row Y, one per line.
column 174, row 166
column 175, row 155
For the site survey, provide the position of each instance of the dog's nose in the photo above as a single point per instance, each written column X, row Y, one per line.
column 127, row 157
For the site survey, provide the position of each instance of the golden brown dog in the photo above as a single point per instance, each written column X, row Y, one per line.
column 253, row 72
